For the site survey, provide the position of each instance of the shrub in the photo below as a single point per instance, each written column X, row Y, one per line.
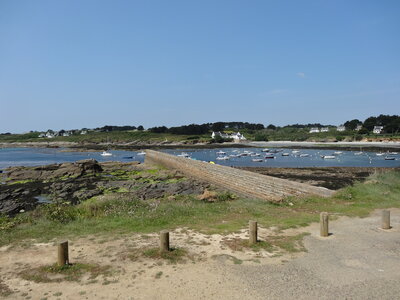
column 339, row 138
column 61, row 212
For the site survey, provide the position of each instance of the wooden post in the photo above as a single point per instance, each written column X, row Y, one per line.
column 63, row 258
column 385, row 219
column 164, row 241
column 324, row 220
column 252, row 232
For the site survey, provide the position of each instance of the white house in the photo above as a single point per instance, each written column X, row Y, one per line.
column 358, row 128
column 341, row 128
column 324, row 129
column 377, row 129
column 314, row 130
column 237, row 136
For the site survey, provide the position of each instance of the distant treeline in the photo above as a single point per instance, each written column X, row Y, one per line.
column 118, row 128
column 206, row 128
column 391, row 124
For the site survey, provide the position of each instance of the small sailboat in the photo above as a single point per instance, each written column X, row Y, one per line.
column 265, row 150
column 328, row 156
column 221, row 152
column 141, row 153
column 285, row 154
column 184, row 154
column 106, row 153
column 304, row 155
column 257, row 160
column 223, row 158
column 390, row 158
column 337, row 152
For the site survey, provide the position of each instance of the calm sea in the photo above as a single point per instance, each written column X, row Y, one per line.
column 310, row 157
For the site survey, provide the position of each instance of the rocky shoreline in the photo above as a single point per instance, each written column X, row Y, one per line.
column 25, row 188
column 329, row 177
column 139, row 145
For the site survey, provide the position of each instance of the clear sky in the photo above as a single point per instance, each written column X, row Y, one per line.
column 73, row 64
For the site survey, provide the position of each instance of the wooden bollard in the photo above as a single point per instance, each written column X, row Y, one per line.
column 385, row 219
column 164, row 241
column 324, row 226
column 252, row 232
column 63, row 257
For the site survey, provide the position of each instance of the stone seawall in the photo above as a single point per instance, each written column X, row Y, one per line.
column 242, row 182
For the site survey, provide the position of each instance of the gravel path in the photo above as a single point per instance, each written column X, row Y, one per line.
column 358, row 261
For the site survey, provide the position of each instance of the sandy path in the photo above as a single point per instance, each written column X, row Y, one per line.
column 358, row 261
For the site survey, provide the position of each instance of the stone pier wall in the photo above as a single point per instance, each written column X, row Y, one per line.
column 242, row 182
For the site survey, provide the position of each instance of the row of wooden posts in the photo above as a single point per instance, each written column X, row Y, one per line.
column 63, row 256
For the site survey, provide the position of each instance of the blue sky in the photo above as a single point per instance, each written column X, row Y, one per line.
column 73, row 64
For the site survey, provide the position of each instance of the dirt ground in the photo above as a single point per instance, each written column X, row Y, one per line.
column 329, row 177
column 357, row 261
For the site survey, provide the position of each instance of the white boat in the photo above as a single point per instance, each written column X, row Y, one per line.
column 141, row 153
column 255, row 154
column 392, row 153
column 304, row 155
column 358, row 153
column 106, row 153
column 184, row 154
column 295, row 151
column 390, row 158
column 328, row 156
column 221, row 152
column 223, row 158
column 380, row 154
column 285, row 154
column 269, row 156
column 265, row 150
column 257, row 160
column 337, row 152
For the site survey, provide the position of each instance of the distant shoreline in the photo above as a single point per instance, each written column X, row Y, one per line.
column 74, row 146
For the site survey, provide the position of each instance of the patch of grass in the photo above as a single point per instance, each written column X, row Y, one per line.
column 158, row 275
column 4, row 289
column 21, row 181
column 120, row 213
column 175, row 255
column 72, row 272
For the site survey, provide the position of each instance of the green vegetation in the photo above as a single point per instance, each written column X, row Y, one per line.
column 72, row 272
column 118, row 213
column 194, row 133
column 175, row 255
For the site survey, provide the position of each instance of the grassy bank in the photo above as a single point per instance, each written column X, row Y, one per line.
column 281, row 134
column 117, row 214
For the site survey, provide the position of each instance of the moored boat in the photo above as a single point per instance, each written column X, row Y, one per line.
column 390, row 158
column 106, row 153
column 223, row 158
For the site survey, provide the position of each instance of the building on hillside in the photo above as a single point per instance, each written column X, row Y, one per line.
column 314, row 130
column 377, row 129
column 324, row 129
column 341, row 128
column 358, row 128
column 236, row 136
